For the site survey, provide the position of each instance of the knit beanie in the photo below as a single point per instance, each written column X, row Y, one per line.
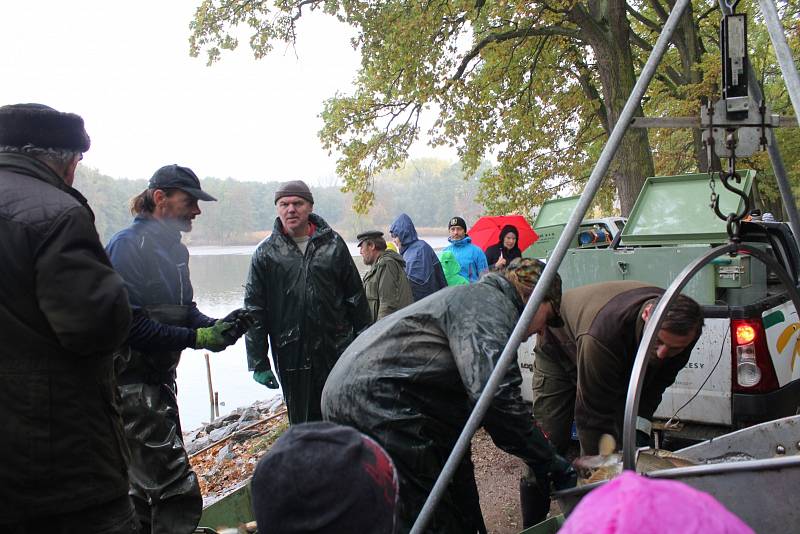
column 41, row 126
column 324, row 477
column 294, row 188
column 457, row 221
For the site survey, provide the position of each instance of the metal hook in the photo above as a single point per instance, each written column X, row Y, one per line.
column 731, row 6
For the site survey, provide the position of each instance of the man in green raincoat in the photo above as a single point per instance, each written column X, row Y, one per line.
column 385, row 284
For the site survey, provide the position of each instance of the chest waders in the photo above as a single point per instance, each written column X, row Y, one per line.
column 164, row 489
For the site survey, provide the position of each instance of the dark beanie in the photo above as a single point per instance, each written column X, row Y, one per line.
column 323, row 477
column 41, row 126
column 295, row 188
column 457, row 221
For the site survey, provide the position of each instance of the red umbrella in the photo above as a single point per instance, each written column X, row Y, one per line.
column 486, row 231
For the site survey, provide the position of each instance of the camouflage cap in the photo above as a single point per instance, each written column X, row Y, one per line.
column 527, row 272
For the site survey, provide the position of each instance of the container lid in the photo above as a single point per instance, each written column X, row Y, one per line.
column 672, row 210
column 555, row 211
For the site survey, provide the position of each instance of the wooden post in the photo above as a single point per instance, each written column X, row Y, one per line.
column 210, row 387
column 216, row 403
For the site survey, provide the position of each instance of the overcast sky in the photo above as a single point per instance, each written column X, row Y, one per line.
column 125, row 67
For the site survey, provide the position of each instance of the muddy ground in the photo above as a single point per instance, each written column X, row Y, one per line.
column 498, row 474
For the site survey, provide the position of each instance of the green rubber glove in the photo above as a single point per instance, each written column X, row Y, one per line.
column 266, row 378
column 213, row 337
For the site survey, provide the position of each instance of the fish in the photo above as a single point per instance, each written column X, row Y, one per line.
column 607, row 466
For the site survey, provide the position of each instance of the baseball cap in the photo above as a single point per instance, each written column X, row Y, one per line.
column 177, row 177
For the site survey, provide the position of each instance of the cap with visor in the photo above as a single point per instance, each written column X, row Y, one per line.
column 177, row 177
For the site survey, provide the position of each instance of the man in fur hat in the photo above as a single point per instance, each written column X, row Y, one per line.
column 64, row 311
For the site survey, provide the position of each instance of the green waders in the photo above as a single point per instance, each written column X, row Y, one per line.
column 164, row 489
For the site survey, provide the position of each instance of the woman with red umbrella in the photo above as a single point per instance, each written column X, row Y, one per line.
column 500, row 254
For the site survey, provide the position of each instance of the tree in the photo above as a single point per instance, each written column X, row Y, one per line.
column 519, row 86
column 538, row 84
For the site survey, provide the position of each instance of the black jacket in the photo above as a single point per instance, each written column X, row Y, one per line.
column 494, row 252
column 63, row 311
column 310, row 305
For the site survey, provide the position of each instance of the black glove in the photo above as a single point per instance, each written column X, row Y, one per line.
column 242, row 320
column 558, row 471
column 562, row 473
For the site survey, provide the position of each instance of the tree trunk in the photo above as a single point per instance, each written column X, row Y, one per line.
column 606, row 30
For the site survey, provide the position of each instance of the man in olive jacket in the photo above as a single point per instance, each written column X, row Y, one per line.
column 64, row 311
column 306, row 296
column 584, row 367
column 385, row 284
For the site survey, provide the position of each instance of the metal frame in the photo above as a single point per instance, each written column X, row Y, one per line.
column 589, row 192
column 652, row 326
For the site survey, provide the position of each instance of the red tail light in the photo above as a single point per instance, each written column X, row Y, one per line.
column 752, row 370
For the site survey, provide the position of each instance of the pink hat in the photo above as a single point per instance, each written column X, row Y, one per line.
column 632, row 503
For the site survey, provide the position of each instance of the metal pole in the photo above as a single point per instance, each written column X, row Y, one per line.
column 775, row 157
column 782, row 52
column 510, row 351
column 210, row 387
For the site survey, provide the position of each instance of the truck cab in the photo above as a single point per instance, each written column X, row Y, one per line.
column 552, row 218
column 745, row 368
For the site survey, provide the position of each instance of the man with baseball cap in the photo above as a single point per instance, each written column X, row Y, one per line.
column 470, row 257
column 411, row 381
column 305, row 293
column 385, row 284
column 155, row 266
column 64, row 311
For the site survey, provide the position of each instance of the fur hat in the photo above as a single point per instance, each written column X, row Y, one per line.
column 295, row 188
column 41, row 126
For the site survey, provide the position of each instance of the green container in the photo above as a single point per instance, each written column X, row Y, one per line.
column 548, row 526
column 549, row 224
column 732, row 272
column 652, row 265
column 231, row 510
column 674, row 210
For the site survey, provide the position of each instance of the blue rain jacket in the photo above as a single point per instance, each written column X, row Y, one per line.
column 422, row 265
column 155, row 266
column 470, row 257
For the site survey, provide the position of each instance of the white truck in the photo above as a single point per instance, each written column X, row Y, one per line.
column 745, row 368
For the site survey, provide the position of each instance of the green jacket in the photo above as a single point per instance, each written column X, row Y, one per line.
column 386, row 285
column 452, row 269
